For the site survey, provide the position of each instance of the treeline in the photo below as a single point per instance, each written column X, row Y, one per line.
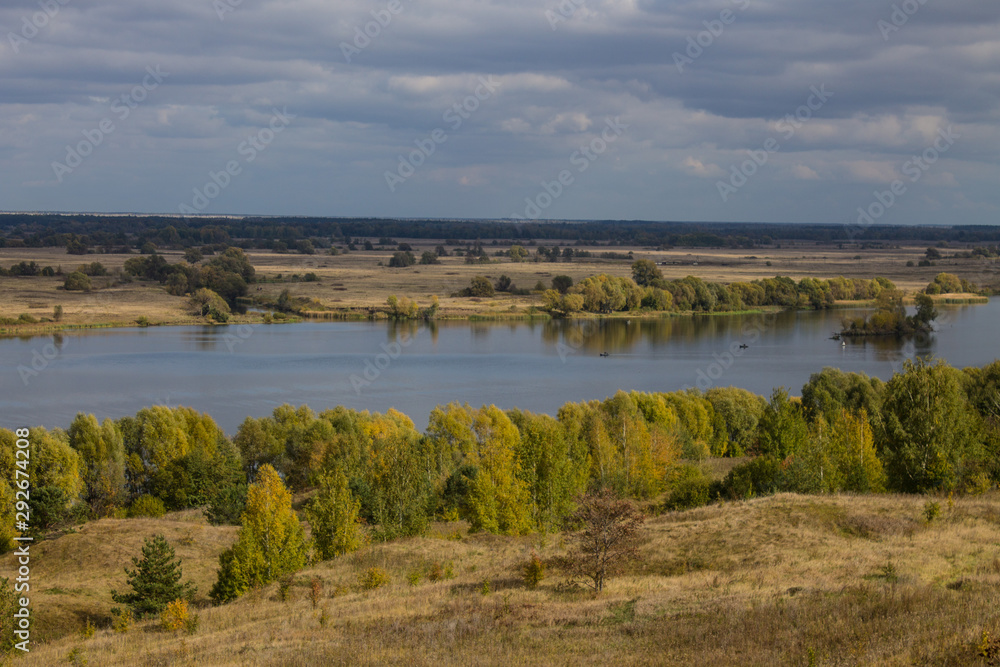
column 647, row 289
column 82, row 233
column 931, row 427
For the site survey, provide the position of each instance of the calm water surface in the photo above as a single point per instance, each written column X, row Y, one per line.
column 233, row 372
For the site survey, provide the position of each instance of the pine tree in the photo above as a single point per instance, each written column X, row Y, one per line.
column 333, row 515
column 270, row 544
column 155, row 581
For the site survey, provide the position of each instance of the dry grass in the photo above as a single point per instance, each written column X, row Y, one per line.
column 355, row 282
column 846, row 579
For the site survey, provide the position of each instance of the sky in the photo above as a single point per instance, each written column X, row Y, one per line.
column 851, row 111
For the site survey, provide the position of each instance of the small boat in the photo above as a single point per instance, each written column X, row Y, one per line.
column 835, row 336
column 743, row 346
column 604, row 354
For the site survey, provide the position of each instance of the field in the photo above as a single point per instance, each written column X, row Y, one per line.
column 788, row 579
column 357, row 282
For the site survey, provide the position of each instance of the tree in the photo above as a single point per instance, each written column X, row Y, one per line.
column 271, row 542
column 608, row 540
column 782, row 428
column 429, row 257
column 156, row 579
column 402, row 259
column 481, row 286
column 77, row 281
column 929, row 428
column 645, row 272
column 561, row 283
column 499, row 500
column 517, row 253
column 333, row 515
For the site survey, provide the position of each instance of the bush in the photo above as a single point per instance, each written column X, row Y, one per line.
column 759, row 477
column 534, row 571
column 690, row 488
column 481, row 286
column 402, row 259
column 175, row 616
column 77, row 281
column 372, row 578
column 121, row 621
column 146, row 505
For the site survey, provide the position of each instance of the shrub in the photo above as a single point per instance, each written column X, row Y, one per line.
column 57, row 313
column 436, row 572
column 146, row 505
column 690, row 488
column 175, row 616
column 315, row 591
column 932, row 510
column 372, row 578
column 760, row 476
column 121, row 621
column 534, row 571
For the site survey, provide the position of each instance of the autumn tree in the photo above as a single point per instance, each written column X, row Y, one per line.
column 102, row 461
column 271, row 542
column 608, row 539
column 499, row 501
column 333, row 516
column 156, row 579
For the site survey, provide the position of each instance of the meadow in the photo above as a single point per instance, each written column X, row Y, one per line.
column 786, row 579
column 356, row 283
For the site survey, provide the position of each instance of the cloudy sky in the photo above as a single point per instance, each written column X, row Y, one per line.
column 726, row 110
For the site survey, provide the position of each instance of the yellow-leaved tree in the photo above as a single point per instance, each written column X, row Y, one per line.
column 271, row 542
column 499, row 501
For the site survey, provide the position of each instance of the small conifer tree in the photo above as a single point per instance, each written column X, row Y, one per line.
column 156, row 579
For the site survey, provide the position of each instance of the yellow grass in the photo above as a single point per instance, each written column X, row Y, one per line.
column 846, row 579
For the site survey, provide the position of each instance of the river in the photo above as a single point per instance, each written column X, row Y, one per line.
column 231, row 372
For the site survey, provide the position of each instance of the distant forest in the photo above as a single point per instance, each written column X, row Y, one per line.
column 81, row 234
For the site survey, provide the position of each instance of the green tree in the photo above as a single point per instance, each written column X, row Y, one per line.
column 929, row 428
column 77, row 281
column 155, row 580
column 271, row 542
column 645, row 272
column 782, row 429
column 499, row 500
column 481, row 286
column 333, row 516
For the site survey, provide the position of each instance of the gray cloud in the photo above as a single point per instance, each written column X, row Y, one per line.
column 608, row 58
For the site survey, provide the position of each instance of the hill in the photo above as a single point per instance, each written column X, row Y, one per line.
column 786, row 579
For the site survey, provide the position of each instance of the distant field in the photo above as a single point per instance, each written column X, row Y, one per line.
column 355, row 281
column 783, row 580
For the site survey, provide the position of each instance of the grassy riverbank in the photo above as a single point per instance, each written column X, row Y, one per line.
column 357, row 284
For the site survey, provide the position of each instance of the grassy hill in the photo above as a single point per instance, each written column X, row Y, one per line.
column 786, row 579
